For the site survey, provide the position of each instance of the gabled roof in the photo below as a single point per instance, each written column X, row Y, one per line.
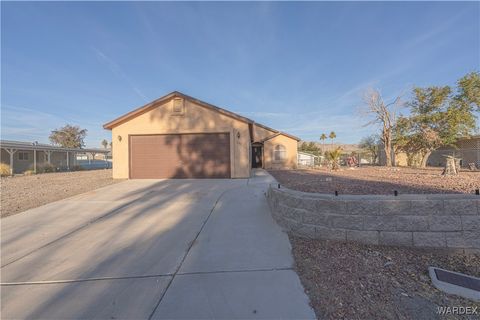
column 159, row 101
column 177, row 94
column 276, row 134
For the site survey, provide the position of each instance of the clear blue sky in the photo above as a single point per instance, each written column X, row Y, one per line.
column 298, row 67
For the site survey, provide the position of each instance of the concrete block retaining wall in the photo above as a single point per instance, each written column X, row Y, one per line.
column 436, row 220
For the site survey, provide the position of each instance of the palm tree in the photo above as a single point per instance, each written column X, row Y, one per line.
column 105, row 143
column 323, row 137
column 332, row 136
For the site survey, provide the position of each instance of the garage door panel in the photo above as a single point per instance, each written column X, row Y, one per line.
column 180, row 156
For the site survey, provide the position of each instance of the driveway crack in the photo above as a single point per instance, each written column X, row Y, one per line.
column 6, row 284
column 235, row 271
column 42, row 282
column 186, row 254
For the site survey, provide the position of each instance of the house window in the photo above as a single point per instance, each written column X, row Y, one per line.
column 279, row 153
column 23, row 156
column 178, row 106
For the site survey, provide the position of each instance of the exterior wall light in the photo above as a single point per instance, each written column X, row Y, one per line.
column 238, row 135
column 119, row 138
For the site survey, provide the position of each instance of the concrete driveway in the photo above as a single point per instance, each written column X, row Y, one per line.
column 152, row 249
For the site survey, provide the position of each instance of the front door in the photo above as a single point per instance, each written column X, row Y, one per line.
column 257, row 156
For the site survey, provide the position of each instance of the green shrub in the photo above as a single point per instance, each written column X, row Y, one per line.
column 48, row 168
column 4, row 169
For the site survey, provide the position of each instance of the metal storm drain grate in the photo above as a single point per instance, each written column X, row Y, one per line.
column 457, row 279
column 455, row 283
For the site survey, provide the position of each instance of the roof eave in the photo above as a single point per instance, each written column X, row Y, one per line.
column 276, row 132
column 110, row 125
column 290, row 136
column 138, row 111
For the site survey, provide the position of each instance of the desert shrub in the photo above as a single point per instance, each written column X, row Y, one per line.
column 49, row 168
column 46, row 168
column 334, row 157
column 4, row 169
column 77, row 168
column 29, row 172
column 32, row 170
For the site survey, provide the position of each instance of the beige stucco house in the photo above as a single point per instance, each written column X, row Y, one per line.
column 178, row 136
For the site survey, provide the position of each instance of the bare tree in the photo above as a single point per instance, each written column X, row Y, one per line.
column 384, row 115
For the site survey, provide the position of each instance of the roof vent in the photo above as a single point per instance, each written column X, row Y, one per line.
column 178, row 107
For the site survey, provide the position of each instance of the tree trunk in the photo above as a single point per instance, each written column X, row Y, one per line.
column 425, row 159
column 388, row 153
column 451, row 168
column 387, row 145
column 388, row 159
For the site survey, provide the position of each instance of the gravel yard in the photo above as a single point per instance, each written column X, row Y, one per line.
column 353, row 281
column 20, row 193
column 378, row 180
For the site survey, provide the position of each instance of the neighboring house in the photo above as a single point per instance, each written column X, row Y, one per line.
column 466, row 149
column 306, row 159
column 177, row 136
column 22, row 156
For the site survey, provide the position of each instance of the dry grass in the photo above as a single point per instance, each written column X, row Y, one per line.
column 4, row 170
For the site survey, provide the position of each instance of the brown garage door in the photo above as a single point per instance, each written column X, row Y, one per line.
column 180, row 156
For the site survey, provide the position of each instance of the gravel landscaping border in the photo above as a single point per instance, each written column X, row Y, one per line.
column 356, row 281
column 20, row 193
column 371, row 180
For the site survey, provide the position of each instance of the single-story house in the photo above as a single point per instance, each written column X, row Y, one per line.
column 178, row 136
column 466, row 149
column 22, row 156
column 307, row 159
